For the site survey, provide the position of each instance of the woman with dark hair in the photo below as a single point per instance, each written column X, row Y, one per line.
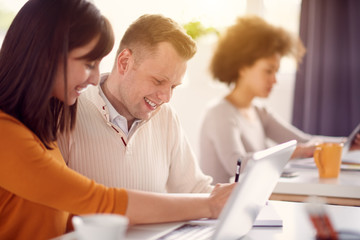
column 50, row 54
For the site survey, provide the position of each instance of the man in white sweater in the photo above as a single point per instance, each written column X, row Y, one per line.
column 126, row 134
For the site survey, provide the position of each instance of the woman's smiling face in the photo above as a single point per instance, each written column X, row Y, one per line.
column 80, row 73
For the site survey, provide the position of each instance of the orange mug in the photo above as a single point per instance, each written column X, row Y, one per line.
column 327, row 157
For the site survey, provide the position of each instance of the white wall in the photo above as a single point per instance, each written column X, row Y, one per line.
column 199, row 89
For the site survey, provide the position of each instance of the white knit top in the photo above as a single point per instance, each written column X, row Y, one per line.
column 156, row 156
column 226, row 135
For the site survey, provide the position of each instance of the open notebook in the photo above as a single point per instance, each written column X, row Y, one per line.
column 248, row 198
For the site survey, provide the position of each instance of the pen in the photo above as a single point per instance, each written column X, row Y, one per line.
column 237, row 173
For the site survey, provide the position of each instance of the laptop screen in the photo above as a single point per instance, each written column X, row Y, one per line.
column 255, row 186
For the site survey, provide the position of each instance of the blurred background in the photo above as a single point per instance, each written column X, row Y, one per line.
column 198, row 88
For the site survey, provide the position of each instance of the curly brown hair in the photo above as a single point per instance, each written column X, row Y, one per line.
column 248, row 40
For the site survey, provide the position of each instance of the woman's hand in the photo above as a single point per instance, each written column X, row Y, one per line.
column 355, row 144
column 303, row 151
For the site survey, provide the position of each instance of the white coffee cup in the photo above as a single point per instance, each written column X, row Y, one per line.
column 100, row 226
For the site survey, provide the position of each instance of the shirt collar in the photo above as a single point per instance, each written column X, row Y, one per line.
column 112, row 111
column 115, row 117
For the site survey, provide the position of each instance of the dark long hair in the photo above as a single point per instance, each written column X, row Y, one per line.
column 40, row 36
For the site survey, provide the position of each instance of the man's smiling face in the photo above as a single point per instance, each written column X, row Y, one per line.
column 150, row 82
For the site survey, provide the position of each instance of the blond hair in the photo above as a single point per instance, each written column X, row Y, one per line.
column 149, row 30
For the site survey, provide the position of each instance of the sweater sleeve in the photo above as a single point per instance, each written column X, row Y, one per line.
column 37, row 174
column 185, row 173
column 279, row 130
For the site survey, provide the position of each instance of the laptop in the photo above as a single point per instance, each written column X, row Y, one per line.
column 248, row 198
column 350, row 139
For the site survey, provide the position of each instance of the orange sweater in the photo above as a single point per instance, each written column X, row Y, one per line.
column 38, row 190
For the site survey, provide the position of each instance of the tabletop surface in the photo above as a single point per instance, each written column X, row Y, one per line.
column 307, row 182
column 296, row 224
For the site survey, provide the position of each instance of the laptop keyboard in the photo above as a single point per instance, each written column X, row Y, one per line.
column 190, row 231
